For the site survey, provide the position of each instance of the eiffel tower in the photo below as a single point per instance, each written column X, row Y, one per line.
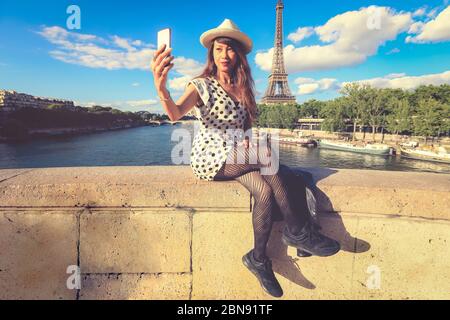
column 278, row 91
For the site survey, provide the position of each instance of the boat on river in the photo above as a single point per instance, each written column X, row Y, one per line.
column 366, row 148
column 302, row 142
column 435, row 155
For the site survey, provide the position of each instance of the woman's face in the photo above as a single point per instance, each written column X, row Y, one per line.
column 224, row 57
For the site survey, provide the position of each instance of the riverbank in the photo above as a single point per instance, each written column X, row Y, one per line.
column 393, row 141
column 52, row 132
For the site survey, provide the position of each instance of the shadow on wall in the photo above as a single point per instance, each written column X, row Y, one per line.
column 330, row 224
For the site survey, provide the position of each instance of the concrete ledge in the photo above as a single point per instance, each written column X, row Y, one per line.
column 363, row 191
column 117, row 187
column 157, row 233
column 414, row 194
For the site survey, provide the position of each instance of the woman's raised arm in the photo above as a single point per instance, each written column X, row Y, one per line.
column 161, row 64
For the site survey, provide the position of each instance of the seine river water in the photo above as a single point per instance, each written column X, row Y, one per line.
column 152, row 146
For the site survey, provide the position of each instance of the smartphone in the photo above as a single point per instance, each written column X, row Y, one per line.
column 165, row 37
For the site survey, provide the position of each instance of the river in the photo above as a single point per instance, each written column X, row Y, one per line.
column 152, row 146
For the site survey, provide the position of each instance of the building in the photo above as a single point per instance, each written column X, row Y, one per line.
column 12, row 100
column 309, row 124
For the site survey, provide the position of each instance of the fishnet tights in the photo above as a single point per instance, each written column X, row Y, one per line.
column 267, row 190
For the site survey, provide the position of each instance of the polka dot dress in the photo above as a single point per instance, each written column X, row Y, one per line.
column 220, row 116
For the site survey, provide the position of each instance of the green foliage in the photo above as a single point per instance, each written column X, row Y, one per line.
column 99, row 109
column 399, row 118
column 34, row 118
column 55, row 107
column 278, row 116
column 334, row 114
column 423, row 111
column 115, row 111
column 429, row 121
column 357, row 98
column 311, row 109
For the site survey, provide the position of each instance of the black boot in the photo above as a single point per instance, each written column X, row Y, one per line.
column 263, row 271
column 310, row 241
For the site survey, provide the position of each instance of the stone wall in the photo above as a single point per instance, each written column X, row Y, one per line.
column 158, row 233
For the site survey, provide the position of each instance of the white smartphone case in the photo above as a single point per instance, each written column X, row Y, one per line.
column 164, row 38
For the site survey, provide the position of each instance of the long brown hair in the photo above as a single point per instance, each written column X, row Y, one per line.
column 241, row 75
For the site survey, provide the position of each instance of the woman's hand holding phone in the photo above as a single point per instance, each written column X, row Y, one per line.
column 161, row 64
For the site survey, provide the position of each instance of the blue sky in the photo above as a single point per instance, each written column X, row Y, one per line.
column 327, row 43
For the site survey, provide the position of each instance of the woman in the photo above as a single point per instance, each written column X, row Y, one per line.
column 223, row 96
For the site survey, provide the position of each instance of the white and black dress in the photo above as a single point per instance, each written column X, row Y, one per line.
column 219, row 115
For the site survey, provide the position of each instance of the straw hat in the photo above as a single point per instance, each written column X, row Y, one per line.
column 227, row 29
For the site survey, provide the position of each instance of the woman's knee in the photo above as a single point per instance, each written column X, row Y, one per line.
column 264, row 192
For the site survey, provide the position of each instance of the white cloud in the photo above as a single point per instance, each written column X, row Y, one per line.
column 432, row 13
column 117, row 53
column 136, row 84
column 187, row 66
column 142, row 103
column 420, row 12
column 393, row 51
column 179, row 84
column 350, row 38
column 401, row 81
column 122, row 105
column 125, row 44
column 437, row 30
column 95, row 52
column 416, row 27
column 188, row 69
column 89, row 104
column 300, row 34
column 309, row 86
column 395, row 75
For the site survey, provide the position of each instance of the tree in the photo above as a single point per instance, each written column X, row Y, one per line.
column 377, row 100
column 334, row 114
column 357, row 96
column 399, row 119
column 311, row 109
column 444, row 126
column 55, row 107
column 428, row 121
column 278, row 116
column 99, row 109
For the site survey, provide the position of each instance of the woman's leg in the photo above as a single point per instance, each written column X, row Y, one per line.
column 267, row 190
column 256, row 260
column 261, row 213
column 248, row 174
column 278, row 181
column 295, row 216
column 295, row 221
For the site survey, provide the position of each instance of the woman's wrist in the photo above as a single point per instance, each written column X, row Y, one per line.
column 164, row 95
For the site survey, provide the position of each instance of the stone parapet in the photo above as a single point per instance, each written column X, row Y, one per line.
column 158, row 233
